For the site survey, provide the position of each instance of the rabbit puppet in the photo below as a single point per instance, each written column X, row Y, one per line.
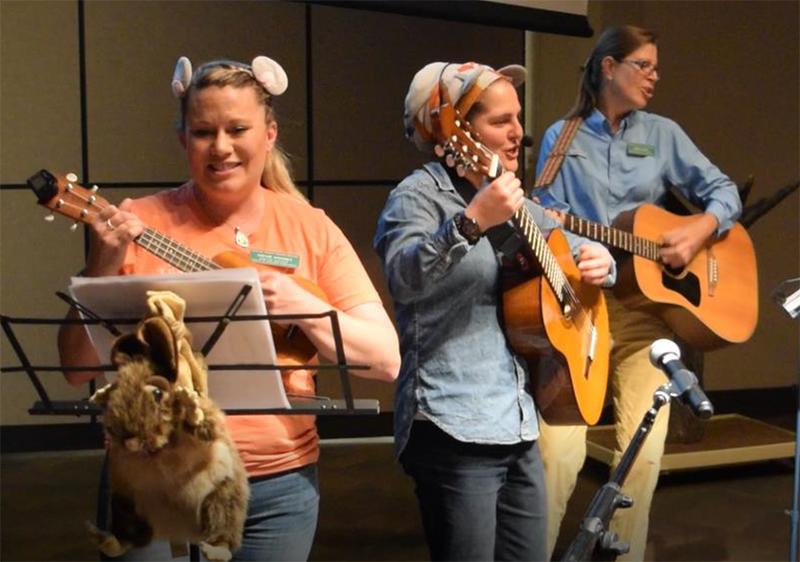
column 173, row 471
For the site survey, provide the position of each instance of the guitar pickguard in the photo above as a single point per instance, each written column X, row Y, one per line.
column 687, row 285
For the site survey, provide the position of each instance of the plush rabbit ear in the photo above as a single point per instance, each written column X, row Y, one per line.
column 162, row 346
column 181, row 77
column 270, row 74
column 101, row 396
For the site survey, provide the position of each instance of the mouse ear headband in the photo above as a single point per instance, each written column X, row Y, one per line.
column 266, row 71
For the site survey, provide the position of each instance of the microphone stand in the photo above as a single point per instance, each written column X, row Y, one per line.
column 594, row 535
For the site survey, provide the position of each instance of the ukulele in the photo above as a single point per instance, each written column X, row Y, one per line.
column 710, row 302
column 68, row 198
column 557, row 323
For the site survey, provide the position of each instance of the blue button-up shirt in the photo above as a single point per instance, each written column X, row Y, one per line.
column 606, row 173
column 457, row 368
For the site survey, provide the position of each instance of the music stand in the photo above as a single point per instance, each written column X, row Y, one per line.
column 299, row 405
column 787, row 296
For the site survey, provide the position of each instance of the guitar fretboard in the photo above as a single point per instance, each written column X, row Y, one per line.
column 537, row 245
column 175, row 254
column 613, row 237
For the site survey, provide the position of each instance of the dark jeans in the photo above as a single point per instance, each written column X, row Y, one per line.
column 478, row 502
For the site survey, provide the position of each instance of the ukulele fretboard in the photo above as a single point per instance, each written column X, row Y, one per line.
column 175, row 254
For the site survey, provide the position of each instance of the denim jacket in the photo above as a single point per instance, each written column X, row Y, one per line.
column 458, row 370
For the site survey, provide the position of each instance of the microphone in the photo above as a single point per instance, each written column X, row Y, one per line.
column 666, row 355
column 526, row 141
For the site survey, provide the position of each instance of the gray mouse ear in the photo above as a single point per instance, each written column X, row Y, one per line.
column 181, row 77
column 270, row 74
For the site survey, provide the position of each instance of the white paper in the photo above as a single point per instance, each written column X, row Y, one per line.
column 207, row 293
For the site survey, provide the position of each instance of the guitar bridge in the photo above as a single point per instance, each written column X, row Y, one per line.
column 713, row 272
column 592, row 342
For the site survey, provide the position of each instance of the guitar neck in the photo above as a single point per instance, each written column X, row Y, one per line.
column 174, row 253
column 536, row 245
column 613, row 237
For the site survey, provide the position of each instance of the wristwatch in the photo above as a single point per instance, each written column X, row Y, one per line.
column 468, row 228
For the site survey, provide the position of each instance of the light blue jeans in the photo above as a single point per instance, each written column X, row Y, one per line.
column 280, row 525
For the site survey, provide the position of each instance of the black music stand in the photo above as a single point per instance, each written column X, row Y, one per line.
column 299, row 405
column 787, row 296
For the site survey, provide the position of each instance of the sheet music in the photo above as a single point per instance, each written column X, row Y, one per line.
column 207, row 293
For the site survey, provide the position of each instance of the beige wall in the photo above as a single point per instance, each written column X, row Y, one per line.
column 730, row 78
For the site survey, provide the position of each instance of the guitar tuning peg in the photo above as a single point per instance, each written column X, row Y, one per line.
column 460, row 171
column 450, row 161
column 94, row 188
column 74, row 227
column 50, row 217
column 71, row 177
column 438, row 150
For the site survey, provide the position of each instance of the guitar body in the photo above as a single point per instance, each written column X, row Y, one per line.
column 711, row 302
column 567, row 357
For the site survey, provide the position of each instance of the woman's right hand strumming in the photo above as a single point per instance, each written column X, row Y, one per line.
column 110, row 234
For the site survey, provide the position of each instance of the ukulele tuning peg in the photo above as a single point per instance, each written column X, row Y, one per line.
column 50, row 217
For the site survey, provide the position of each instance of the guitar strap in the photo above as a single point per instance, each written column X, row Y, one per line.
column 556, row 157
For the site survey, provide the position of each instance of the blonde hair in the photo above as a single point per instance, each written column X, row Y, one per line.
column 277, row 174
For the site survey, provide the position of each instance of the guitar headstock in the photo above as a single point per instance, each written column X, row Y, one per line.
column 460, row 146
column 64, row 195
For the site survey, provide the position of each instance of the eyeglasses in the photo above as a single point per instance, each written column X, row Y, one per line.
column 645, row 66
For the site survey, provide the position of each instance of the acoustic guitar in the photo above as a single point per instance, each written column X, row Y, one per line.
column 557, row 323
column 711, row 302
column 70, row 199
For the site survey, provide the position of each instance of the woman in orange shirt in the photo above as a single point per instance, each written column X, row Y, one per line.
column 241, row 197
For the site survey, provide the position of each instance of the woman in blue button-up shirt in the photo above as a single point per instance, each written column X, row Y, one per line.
column 465, row 421
column 620, row 158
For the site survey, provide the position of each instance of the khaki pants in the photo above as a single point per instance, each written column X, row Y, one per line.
column 632, row 382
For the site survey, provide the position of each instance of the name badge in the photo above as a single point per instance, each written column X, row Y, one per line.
column 641, row 150
column 289, row 261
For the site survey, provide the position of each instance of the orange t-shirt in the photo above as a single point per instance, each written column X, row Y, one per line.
column 267, row 443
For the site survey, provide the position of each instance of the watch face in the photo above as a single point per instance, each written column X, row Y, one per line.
column 468, row 228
